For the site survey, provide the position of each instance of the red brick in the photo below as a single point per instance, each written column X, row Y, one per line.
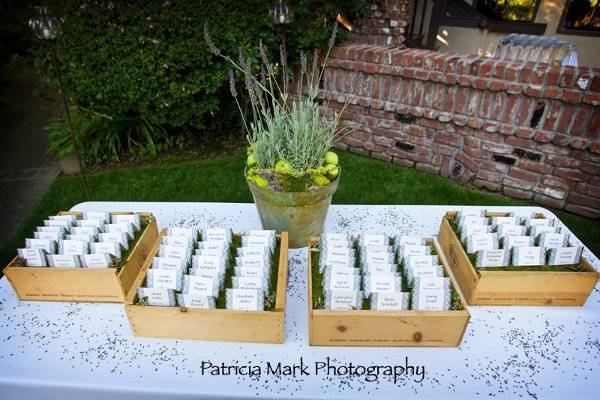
column 581, row 199
column 523, row 175
column 566, row 77
column 581, row 120
column 517, row 193
column 475, row 152
column 467, row 161
column 486, row 103
column 513, row 70
column 506, row 129
column 452, row 140
column 519, row 184
column 431, row 123
column 592, row 98
column 553, row 93
column 381, row 156
column 538, row 74
column 497, row 85
column 565, row 119
column 533, row 91
column 499, row 69
column 525, row 132
column 552, row 76
column 518, row 142
column 479, row 83
column 572, row 174
column 427, row 168
column 579, row 143
column 561, row 161
column 561, row 140
column 556, row 182
column 588, row 190
column 592, row 168
column 515, row 88
column 512, row 108
column 535, row 166
column 572, row 96
column 585, row 211
column 548, row 201
column 487, row 185
column 543, row 136
column 594, row 127
column 489, row 175
column 525, row 110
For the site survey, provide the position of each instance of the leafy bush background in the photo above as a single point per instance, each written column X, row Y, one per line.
column 148, row 59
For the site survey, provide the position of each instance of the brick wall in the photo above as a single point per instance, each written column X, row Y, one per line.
column 385, row 23
column 527, row 130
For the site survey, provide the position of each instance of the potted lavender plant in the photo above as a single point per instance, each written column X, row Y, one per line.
column 290, row 170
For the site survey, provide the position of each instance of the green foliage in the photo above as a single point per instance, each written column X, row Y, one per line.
column 102, row 138
column 148, row 58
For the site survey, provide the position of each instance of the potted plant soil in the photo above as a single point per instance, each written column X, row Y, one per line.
column 291, row 170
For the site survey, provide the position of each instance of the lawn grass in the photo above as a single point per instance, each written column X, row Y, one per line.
column 220, row 179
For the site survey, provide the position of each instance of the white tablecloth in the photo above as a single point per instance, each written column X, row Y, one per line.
column 68, row 350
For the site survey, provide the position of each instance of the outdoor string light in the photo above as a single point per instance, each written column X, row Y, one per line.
column 47, row 28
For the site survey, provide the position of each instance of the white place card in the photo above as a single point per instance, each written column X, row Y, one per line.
column 244, row 299
column 492, row 258
column 253, row 261
column 82, row 237
column 164, row 278
column 96, row 223
column 200, row 285
column 191, row 233
column 85, row 230
column 195, row 301
column 341, row 282
column 431, row 294
column 336, row 272
column 222, row 253
column 174, row 252
column 258, row 251
column 565, row 255
column 112, row 248
column 336, row 237
column 508, row 242
column 59, row 229
column 262, row 233
column 373, row 240
column 66, row 217
column 343, row 300
column 381, row 284
column 509, row 220
column 209, row 262
column 73, row 247
column 169, row 263
column 408, row 240
column 179, row 241
column 344, row 252
column 378, row 269
column 340, row 262
column 423, row 271
column 98, row 260
column 134, row 219
column 473, row 220
column 104, row 216
column 56, row 236
column 117, row 237
column 470, row 230
column 420, row 261
column 58, row 222
column 218, row 234
column 528, row 256
column 64, row 260
column 120, row 227
column 157, row 296
column 539, row 222
column 33, row 257
column 537, row 229
column 251, row 271
column 264, row 241
column 469, row 213
column 487, row 241
column 44, row 244
column 510, row 230
column 373, row 259
column 222, row 245
column 249, row 282
column 553, row 240
column 389, row 301
column 412, row 250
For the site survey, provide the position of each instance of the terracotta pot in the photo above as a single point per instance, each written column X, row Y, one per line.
column 70, row 165
column 301, row 214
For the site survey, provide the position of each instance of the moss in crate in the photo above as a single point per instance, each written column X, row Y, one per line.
column 455, row 300
column 229, row 272
column 272, row 292
column 118, row 265
column 539, row 268
column 318, row 297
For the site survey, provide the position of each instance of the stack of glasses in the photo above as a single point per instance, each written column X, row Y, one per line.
column 95, row 241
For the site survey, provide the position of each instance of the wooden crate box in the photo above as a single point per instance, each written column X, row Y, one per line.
column 106, row 285
column 216, row 324
column 371, row 328
column 514, row 288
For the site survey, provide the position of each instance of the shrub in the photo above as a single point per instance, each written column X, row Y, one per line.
column 147, row 58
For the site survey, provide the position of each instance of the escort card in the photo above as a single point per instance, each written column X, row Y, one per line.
column 169, row 263
column 112, row 248
column 257, row 272
column 73, row 247
column 389, row 301
column 56, row 236
column 509, row 242
column 373, row 240
column 470, row 230
column 121, row 227
column 33, row 257
column 217, row 245
column 510, row 230
column 104, row 216
column 64, row 260
column 67, row 217
column 373, row 259
column 85, row 238
column 191, row 233
column 164, row 278
column 179, row 241
column 343, row 300
column 134, row 219
column 249, row 282
column 97, row 223
column 117, row 237
column 335, row 237
column 214, row 253
column 98, row 260
column 412, row 250
column 506, row 220
column 244, row 299
column 431, row 294
column 537, row 229
column 58, row 222
column 528, row 256
column 341, row 282
column 343, row 252
column 258, row 251
column 253, row 261
column 195, row 301
column 262, row 233
column 539, row 222
column 469, row 213
column 209, row 262
column 553, row 240
column 420, row 261
column 258, row 241
column 565, row 255
column 200, row 285
column 487, row 241
column 381, row 284
column 333, row 273
column 157, row 296
column 378, row 268
column 341, row 262
column 58, row 229
column 493, row 258
column 423, row 271
column 407, row 240
column 174, row 252
column 85, row 230
column 220, row 234
column 44, row 244
column 473, row 221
